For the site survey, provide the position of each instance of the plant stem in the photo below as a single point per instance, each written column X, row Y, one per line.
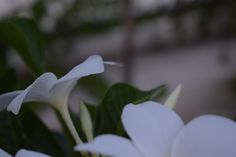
column 70, row 125
column 66, row 117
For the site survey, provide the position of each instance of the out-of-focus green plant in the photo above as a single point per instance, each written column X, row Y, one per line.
column 23, row 35
column 26, row 130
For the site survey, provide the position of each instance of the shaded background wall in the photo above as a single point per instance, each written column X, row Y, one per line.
column 188, row 42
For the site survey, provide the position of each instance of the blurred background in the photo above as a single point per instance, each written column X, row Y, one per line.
column 188, row 42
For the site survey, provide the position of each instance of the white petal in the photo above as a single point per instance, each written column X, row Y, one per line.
column 60, row 93
column 6, row 98
column 37, row 91
column 152, row 127
column 206, row 136
column 111, row 145
column 4, row 154
column 92, row 65
column 29, row 153
column 61, row 90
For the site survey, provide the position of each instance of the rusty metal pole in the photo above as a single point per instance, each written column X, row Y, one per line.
column 128, row 47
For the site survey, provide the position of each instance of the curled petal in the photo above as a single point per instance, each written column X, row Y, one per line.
column 4, row 154
column 206, row 136
column 92, row 65
column 37, row 91
column 6, row 98
column 111, row 145
column 152, row 127
column 60, row 94
column 29, row 153
column 62, row 88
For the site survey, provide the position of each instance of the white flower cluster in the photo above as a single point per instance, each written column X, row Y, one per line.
column 154, row 130
column 48, row 89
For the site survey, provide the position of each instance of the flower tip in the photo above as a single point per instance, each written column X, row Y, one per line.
column 96, row 61
column 172, row 99
column 14, row 110
column 113, row 63
column 95, row 57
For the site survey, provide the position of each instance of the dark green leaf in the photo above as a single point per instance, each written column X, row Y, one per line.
column 2, row 57
column 39, row 9
column 108, row 113
column 8, row 81
column 26, row 131
column 39, row 135
column 23, row 35
column 11, row 135
column 67, row 138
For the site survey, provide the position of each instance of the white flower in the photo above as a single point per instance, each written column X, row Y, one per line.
column 157, row 131
column 23, row 153
column 47, row 88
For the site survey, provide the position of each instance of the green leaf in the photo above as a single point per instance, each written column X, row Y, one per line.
column 39, row 9
column 11, row 135
column 108, row 113
column 94, row 85
column 8, row 81
column 42, row 139
column 3, row 57
column 23, row 35
column 26, row 131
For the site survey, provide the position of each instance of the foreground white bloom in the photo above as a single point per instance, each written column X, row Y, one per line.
column 23, row 153
column 47, row 88
column 156, row 131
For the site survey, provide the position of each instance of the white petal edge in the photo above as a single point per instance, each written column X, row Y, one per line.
column 29, row 153
column 92, row 65
column 110, row 145
column 4, row 153
column 37, row 91
column 6, row 98
column 152, row 127
column 206, row 136
column 113, row 63
column 62, row 88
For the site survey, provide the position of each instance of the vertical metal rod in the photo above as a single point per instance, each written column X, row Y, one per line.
column 128, row 47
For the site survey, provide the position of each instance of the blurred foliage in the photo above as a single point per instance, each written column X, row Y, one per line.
column 8, row 81
column 108, row 113
column 62, row 22
column 27, row 131
column 32, row 39
column 22, row 34
column 86, row 17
